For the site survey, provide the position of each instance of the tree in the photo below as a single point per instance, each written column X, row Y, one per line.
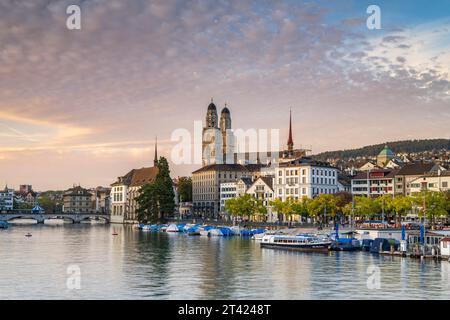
column 343, row 199
column 323, row 206
column 156, row 200
column 366, row 207
column 401, row 205
column 386, row 203
column 246, row 206
column 300, row 207
column 433, row 204
column 22, row 205
column 48, row 204
column 285, row 209
column 164, row 184
column 185, row 189
column 278, row 207
column 148, row 206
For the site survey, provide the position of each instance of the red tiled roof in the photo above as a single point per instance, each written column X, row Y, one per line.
column 417, row 168
column 387, row 174
column 143, row 176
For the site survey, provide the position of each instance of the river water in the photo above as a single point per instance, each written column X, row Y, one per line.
column 143, row 265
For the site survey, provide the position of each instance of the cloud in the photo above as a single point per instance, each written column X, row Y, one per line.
column 141, row 68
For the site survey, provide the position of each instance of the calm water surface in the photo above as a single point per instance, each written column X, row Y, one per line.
column 142, row 265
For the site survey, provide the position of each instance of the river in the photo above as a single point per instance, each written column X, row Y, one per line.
column 82, row 261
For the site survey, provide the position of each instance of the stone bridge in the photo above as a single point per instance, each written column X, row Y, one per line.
column 41, row 217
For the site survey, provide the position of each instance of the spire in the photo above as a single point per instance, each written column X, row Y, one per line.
column 290, row 142
column 155, row 161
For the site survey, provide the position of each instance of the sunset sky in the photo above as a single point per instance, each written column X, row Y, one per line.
column 84, row 106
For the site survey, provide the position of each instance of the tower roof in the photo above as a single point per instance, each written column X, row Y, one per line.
column 386, row 151
column 212, row 106
column 225, row 110
column 290, row 141
column 155, row 161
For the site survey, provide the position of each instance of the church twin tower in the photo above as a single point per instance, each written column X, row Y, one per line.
column 218, row 138
column 218, row 143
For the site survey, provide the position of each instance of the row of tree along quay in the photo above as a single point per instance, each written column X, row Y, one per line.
column 343, row 208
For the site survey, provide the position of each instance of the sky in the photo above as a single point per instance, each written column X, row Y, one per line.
column 84, row 106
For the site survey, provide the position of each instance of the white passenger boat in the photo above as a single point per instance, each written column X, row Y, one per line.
column 295, row 242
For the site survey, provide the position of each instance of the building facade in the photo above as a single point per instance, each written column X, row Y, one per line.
column 78, row 200
column 374, row 183
column 125, row 191
column 304, row 177
column 206, row 184
column 6, row 199
column 434, row 181
column 411, row 172
column 262, row 189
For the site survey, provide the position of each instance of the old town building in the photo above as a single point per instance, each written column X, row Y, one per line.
column 126, row 189
column 6, row 199
column 374, row 183
column 78, row 200
column 438, row 181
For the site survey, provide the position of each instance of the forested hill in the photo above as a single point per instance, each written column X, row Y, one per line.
column 407, row 146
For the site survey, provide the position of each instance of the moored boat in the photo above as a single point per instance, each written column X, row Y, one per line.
column 296, row 242
column 345, row 244
column 172, row 228
column 215, row 232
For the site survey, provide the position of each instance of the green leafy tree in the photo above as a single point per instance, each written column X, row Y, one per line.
column 156, row 200
column 185, row 189
column 148, row 204
column 300, row 207
column 401, row 205
column 323, row 206
column 246, row 206
column 366, row 207
column 432, row 204
column 386, row 203
column 47, row 204
column 22, row 205
column 278, row 207
column 166, row 195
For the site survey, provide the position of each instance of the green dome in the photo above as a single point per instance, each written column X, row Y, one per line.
column 386, row 152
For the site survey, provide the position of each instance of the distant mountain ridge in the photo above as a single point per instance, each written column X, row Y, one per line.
column 406, row 146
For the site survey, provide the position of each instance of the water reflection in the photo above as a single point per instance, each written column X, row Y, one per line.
column 140, row 265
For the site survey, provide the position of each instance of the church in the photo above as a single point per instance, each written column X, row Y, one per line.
column 222, row 164
column 218, row 137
